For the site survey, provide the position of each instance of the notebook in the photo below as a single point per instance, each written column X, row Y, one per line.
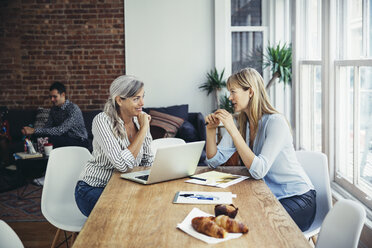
column 171, row 162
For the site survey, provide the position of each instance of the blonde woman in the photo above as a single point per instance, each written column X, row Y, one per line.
column 121, row 140
column 263, row 140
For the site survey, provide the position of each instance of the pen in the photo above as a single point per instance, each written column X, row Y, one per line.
column 199, row 197
column 198, row 178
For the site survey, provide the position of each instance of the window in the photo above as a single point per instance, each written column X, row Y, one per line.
column 242, row 35
column 310, row 106
column 342, row 77
column 310, row 85
column 247, row 35
column 353, row 91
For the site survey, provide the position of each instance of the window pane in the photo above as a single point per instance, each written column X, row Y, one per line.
column 345, row 122
column 246, row 13
column 311, row 108
column 350, row 29
column 247, row 50
column 312, row 36
column 317, row 109
column 305, row 100
column 365, row 133
column 369, row 32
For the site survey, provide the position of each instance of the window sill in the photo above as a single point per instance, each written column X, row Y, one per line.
column 339, row 193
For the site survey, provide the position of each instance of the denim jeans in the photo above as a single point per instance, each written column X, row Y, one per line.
column 86, row 196
column 60, row 141
column 301, row 208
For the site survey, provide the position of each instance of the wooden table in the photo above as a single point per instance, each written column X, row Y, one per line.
column 29, row 169
column 133, row 215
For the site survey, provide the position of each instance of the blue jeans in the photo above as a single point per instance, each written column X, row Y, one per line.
column 301, row 208
column 86, row 196
column 60, row 141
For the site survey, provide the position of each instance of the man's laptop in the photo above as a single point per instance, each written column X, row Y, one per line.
column 171, row 162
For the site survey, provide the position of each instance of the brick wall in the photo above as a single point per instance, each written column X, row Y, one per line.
column 80, row 43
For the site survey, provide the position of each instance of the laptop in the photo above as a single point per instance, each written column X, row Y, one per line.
column 171, row 162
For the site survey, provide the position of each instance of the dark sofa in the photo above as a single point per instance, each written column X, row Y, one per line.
column 193, row 128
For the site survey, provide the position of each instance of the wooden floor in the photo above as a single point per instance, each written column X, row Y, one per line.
column 36, row 234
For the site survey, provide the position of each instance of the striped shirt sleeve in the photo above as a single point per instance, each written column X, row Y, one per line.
column 121, row 159
column 148, row 156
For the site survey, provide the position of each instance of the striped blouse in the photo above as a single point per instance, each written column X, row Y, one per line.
column 111, row 152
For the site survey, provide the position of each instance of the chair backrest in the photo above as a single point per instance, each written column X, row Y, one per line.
column 315, row 165
column 57, row 201
column 342, row 226
column 165, row 142
column 8, row 237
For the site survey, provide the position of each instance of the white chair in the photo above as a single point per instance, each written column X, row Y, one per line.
column 342, row 226
column 8, row 237
column 162, row 142
column 315, row 165
column 58, row 201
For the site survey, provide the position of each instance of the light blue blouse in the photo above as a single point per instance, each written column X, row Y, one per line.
column 275, row 161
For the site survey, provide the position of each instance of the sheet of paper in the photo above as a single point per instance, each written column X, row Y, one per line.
column 201, row 197
column 186, row 226
column 216, row 179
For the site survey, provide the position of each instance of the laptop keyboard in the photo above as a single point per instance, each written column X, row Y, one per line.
column 145, row 177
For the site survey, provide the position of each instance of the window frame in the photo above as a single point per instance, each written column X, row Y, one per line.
column 312, row 64
column 330, row 74
column 338, row 178
column 224, row 30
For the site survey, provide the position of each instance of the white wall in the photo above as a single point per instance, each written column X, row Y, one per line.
column 169, row 44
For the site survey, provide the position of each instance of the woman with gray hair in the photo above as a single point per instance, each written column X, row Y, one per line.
column 121, row 140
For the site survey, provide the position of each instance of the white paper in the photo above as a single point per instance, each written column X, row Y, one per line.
column 213, row 181
column 216, row 197
column 186, row 226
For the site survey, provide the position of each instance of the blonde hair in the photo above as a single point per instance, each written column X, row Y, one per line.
column 258, row 105
column 123, row 86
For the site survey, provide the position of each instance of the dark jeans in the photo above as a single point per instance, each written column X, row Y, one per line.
column 86, row 196
column 60, row 141
column 301, row 208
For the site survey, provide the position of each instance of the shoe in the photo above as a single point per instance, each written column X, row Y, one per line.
column 11, row 167
column 39, row 181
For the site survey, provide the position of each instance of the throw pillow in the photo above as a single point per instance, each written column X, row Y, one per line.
column 157, row 132
column 181, row 111
column 187, row 132
column 41, row 117
column 167, row 122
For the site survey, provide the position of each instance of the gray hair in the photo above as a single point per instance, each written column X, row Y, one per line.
column 124, row 86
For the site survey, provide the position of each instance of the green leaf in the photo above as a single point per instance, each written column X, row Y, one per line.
column 279, row 58
column 214, row 81
column 225, row 103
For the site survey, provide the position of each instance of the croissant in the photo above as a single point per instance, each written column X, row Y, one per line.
column 229, row 210
column 230, row 225
column 207, row 226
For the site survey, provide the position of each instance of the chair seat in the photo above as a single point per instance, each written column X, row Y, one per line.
column 313, row 230
column 58, row 202
column 315, row 165
column 8, row 237
column 71, row 221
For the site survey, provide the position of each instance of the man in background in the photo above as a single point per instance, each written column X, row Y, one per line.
column 65, row 125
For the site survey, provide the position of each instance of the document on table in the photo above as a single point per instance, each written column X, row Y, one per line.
column 201, row 197
column 25, row 155
column 216, row 179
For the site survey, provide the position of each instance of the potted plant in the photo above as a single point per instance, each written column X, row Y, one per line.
column 279, row 58
column 225, row 103
column 215, row 83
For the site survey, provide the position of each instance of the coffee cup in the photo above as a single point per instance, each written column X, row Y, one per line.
column 48, row 148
